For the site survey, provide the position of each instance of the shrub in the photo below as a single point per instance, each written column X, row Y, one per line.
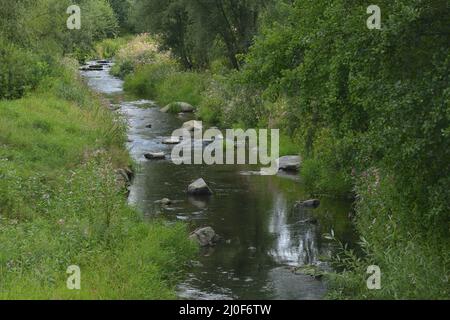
column 141, row 50
column 145, row 80
column 20, row 71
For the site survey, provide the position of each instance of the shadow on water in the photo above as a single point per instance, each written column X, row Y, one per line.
column 264, row 234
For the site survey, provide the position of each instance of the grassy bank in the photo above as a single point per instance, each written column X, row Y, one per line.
column 62, row 204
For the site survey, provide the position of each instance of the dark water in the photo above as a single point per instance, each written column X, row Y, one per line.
column 265, row 236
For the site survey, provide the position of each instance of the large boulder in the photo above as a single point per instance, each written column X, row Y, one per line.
column 205, row 237
column 289, row 163
column 199, row 188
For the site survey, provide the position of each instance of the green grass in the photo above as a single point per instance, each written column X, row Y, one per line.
column 288, row 146
column 61, row 204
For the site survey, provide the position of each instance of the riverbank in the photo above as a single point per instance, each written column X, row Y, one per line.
column 63, row 202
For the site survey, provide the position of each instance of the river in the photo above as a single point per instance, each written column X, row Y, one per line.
column 265, row 236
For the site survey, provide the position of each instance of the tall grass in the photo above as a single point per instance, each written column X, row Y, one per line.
column 164, row 83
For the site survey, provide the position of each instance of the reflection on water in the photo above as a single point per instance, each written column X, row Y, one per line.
column 264, row 234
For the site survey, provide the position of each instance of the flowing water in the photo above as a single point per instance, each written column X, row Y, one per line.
column 265, row 236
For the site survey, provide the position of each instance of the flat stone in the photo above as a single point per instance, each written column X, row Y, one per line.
column 289, row 163
column 172, row 140
column 164, row 202
column 155, row 156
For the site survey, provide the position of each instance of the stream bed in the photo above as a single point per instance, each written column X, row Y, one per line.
column 265, row 235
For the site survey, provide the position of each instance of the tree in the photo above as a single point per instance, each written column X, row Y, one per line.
column 191, row 28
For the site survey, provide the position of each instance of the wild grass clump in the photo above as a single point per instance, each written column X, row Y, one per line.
column 181, row 86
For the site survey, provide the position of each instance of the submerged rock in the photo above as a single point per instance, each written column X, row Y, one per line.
column 313, row 203
column 205, row 237
column 289, row 163
column 95, row 67
column 199, row 187
column 164, row 202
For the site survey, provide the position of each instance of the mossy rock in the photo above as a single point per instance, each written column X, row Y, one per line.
column 177, row 107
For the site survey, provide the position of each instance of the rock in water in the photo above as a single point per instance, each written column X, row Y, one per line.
column 164, row 202
column 172, row 140
column 205, row 237
column 199, row 187
column 289, row 163
column 155, row 156
column 177, row 107
column 314, row 203
column 185, row 107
